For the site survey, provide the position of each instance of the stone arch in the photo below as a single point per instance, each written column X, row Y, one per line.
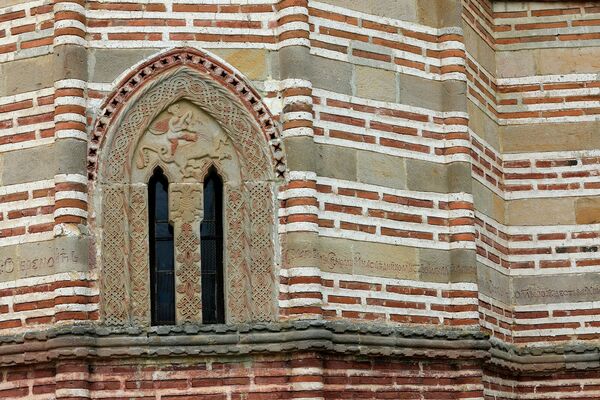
column 222, row 123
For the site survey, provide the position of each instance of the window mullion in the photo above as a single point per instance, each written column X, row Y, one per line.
column 185, row 213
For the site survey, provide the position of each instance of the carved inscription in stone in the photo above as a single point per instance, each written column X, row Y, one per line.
column 138, row 255
column 186, row 211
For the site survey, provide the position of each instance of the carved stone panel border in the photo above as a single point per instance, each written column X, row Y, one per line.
column 139, row 270
column 114, row 256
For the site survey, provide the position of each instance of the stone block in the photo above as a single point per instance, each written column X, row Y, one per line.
column 66, row 254
column 404, row 10
column 71, row 156
column 300, row 249
column 494, row 283
column 550, row 137
column 426, row 176
column 336, row 162
column 420, row 92
column 483, row 125
column 571, row 60
column 371, row 259
column 252, row 63
column 542, row 211
column 479, row 49
column 381, row 169
column 488, row 202
column 528, row 290
column 439, row 13
column 26, row 75
column 70, row 62
column 459, row 177
column 300, row 153
column 445, row 266
column 514, row 64
column 375, row 83
column 40, row 162
column 587, row 210
column 105, row 65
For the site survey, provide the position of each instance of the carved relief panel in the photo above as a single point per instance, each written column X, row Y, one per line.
column 186, row 137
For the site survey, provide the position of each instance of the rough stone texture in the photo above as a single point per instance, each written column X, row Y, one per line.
column 42, row 164
column 550, row 137
column 374, row 83
column 24, row 75
column 105, row 65
column 542, row 211
column 404, row 10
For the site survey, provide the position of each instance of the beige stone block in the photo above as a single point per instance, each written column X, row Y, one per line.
column 439, row 13
column 375, row 83
column 371, row 259
column 435, row 95
column 65, row 254
column 70, row 62
column 587, row 210
column 381, row 169
column 26, row 75
column 488, row 202
column 570, row 60
column 336, row 162
column 479, row 49
column 300, row 153
column 445, row 266
column 494, row 283
column 550, row 137
column 300, row 249
column 426, row 176
column 252, row 63
column 528, row 290
column 513, row 64
column 483, row 125
column 404, row 10
column 40, row 162
column 543, row 211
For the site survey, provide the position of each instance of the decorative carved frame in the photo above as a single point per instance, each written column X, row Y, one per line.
column 249, row 205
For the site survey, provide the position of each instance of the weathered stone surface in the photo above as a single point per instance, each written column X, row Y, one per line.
column 479, row 49
column 299, row 250
column 398, row 9
column 445, row 266
column 375, row 83
column 435, row 95
column 426, row 176
column 371, row 259
column 300, row 153
column 24, row 75
column 573, row 60
column 587, row 210
column 551, row 289
column 381, row 169
column 483, row 125
column 459, row 177
column 439, row 13
column 513, row 64
column 105, row 65
column 488, row 202
column 554, row 136
column 64, row 254
column 70, row 62
column 253, row 63
column 70, row 155
column 494, row 283
column 543, row 211
column 336, row 162
column 40, row 161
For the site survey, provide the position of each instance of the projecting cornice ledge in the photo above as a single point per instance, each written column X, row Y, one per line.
column 88, row 341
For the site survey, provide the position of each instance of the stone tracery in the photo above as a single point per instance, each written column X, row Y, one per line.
column 185, row 121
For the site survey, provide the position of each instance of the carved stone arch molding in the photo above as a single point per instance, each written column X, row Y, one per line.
column 185, row 112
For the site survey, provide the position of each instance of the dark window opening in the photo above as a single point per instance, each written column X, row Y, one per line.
column 162, row 260
column 211, row 247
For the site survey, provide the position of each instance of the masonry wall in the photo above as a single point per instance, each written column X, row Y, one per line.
column 441, row 165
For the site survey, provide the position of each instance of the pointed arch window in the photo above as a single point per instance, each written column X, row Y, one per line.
column 211, row 244
column 162, row 264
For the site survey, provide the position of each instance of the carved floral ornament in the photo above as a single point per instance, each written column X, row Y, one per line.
column 186, row 122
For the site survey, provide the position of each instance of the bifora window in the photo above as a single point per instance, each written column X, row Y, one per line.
column 162, row 260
